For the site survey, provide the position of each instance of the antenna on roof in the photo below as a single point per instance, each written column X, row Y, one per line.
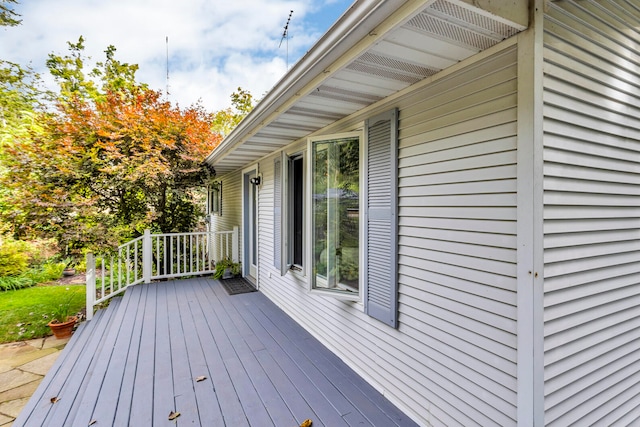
column 167, row 40
column 285, row 36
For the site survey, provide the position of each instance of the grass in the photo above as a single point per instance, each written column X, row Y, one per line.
column 24, row 313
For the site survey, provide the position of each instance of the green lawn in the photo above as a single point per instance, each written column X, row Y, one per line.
column 24, row 313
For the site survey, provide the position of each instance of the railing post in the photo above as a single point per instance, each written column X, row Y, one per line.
column 235, row 245
column 90, row 290
column 147, row 256
column 213, row 246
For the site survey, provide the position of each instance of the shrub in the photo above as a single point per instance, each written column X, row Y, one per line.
column 12, row 283
column 44, row 273
column 14, row 257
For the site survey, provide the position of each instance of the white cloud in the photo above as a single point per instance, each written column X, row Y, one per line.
column 214, row 46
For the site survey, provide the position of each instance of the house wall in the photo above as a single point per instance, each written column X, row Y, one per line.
column 452, row 361
column 231, row 213
column 591, row 213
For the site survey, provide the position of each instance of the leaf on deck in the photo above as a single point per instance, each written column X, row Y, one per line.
column 200, row 378
column 173, row 415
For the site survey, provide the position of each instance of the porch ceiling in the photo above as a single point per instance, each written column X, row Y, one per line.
column 376, row 49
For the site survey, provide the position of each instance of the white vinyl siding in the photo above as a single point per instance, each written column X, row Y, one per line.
column 592, row 213
column 452, row 360
column 457, row 238
column 230, row 213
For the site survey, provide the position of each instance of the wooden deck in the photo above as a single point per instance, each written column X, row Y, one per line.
column 138, row 360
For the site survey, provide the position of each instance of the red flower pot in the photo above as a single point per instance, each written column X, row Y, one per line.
column 63, row 330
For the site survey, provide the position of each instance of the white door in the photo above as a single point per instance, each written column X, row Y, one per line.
column 250, row 225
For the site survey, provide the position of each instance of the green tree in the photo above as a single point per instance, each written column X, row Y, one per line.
column 113, row 159
column 224, row 121
column 19, row 100
column 8, row 17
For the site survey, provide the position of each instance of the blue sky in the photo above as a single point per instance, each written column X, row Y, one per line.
column 215, row 46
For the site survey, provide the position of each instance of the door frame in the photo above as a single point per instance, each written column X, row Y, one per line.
column 250, row 235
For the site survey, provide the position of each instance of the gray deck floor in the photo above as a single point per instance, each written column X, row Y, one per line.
column 138, row 360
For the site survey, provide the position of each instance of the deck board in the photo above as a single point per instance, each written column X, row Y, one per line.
column 131, row 345
column 360, row 393
column 163, row 391
column 74, row 382
column 138, row 360
column 183, row 380
column 141, row 412
column 114, row 379
column 39, row 405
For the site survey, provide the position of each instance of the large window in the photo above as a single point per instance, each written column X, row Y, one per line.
column 335, row 234
column 335, row 213
column 289, row 213
column 296, row 213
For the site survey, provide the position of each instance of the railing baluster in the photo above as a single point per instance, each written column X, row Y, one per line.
column 197, row 254
column 203, row 251
column 102, row 285
column 128, row 264
column 119, row 268
column 157, row 242
column 90, row 292
column 111, row 271
column 179, row 254
column 165, row 257
column 178, row 257
column 135, row 261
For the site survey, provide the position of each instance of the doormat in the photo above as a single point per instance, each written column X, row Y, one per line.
column 237, row 285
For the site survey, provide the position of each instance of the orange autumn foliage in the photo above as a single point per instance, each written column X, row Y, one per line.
column 106, row 169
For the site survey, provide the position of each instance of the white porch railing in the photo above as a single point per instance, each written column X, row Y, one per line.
column 157, row 256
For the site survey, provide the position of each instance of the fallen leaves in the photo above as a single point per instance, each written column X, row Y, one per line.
column 200, row 378
column 173, row 415
column 54, row 399
column 306, row 423
column 92, row 422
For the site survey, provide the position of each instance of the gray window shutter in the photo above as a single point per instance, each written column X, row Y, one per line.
column 277, row 213
column 381, row 223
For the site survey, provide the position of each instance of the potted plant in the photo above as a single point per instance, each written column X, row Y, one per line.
column 69, row 266
column 63, row 319
column 226, row 269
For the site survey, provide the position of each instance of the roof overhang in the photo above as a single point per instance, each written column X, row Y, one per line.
column 375, row 49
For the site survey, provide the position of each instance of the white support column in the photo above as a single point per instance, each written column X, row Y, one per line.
column 530, row 273
column 236, row 244
column 147, row 258
column 90, row 290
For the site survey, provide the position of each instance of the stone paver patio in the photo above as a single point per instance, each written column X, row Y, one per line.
column 23, row 365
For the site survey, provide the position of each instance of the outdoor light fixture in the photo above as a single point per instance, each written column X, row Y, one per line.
column 255, row 181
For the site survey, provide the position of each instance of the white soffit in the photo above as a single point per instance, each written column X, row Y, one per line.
column 443, row 33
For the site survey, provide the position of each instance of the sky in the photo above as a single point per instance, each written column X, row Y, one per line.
column 214, row 46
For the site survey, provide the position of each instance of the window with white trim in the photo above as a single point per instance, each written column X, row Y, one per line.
column 335, row 215
column 354, row 208
column 289, row 213
column 214, row 195
column 348, row 234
